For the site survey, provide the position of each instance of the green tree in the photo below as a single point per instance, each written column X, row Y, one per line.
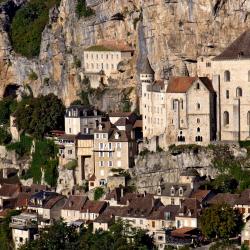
column 5, row 136
column 99, row 192
column 56, row 237
column 220, row 221
column 38, row 116
column 5, row 231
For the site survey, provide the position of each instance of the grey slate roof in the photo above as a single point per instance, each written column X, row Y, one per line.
column 239, row 49
column 146, row 67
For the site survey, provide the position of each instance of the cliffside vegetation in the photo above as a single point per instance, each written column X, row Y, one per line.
column 82, row 10
column 44, row 159
column 38, row 116
column 28, row 24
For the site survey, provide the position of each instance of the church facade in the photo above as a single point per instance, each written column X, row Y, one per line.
column 212, row 106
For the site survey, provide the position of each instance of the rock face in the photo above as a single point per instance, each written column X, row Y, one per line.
column 172, row 33
column 152, row 168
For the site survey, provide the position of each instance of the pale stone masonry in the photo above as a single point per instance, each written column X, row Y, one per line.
column 102, row 59
column 215, row 105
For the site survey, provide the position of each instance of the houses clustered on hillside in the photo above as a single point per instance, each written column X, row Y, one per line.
column 102, row 147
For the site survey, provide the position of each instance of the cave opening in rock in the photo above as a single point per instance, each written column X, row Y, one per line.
column 11, row 90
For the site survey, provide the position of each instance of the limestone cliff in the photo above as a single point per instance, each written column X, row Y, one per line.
column 172, row 32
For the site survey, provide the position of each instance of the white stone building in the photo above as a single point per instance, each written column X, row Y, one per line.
column 24, row 227
column 231, row 81
column 101, row 60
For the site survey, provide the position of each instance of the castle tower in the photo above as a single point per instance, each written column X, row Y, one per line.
column 146, row 72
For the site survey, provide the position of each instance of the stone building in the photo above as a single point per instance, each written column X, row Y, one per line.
column 114, row 148
column 101, row 60
column 80, row 119
column 190, row 111
column 24, row 228
column 179, row 110
column 153, row 102
column 231, row 81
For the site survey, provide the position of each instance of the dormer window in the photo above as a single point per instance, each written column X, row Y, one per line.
column 116, row 136
column 172, row 191
column 100, row 126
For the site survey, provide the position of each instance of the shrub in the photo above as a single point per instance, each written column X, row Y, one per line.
column 99, row 192
column 33, row 76
column 28, row 24
column 22, row 147
column 7, row 106
column 71, row 165
column 5, row 136
column 82, row 10
column 144, row 152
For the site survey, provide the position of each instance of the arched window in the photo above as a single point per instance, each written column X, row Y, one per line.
column 238, row 92
column 227, row 94
column 248, row 118
column 198, row 106
column 249, row 75
column 226, row 118
column 197, row 86
column 227, row 76
column 198, row 120
column 198, row 130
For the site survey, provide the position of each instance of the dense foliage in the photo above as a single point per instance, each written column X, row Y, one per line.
column 7, row 106
column 99, row 192
column 5, row 231
column 44, row 158
column 82, row 10
column 22, row 147
column 61, row 237
column 28, row 24
column 221, row 221
column 38, row 116
column 5, row 136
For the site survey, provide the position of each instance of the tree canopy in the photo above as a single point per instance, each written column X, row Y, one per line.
column 62, row 237
column 221, row 221
column 38, row 116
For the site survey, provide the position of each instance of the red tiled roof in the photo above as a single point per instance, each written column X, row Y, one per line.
column 120, row 114
column 9, row 190
column 183, row 83
column 94, row 206
column 200, row 195
column 23, row 199
column 75, row 202
column 183, row 232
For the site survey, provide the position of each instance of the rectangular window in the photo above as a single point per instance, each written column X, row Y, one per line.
column 101, row 164
column 118, row 145
column 70, row 152
column 104, row 136
column 110, row 164
column 101, row 146
column 101, row 154
column 97, row 136
column 110, row 154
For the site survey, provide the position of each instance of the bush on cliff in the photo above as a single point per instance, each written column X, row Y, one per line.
column 28, row 24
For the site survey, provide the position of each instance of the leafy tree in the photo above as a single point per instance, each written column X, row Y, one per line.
column 225, row 184
column 120, row 237
column 220, row 221
column 57, row 237
column 38, row 116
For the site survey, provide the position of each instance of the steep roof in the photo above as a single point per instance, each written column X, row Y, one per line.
column 239, row 49
column 94, row 206
column 75, row 202
column 181, row 84
column 244, row 198
column 201, row 195
column 227, row 198
column 145, row 67
column 9, row 190
column 160, row 213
